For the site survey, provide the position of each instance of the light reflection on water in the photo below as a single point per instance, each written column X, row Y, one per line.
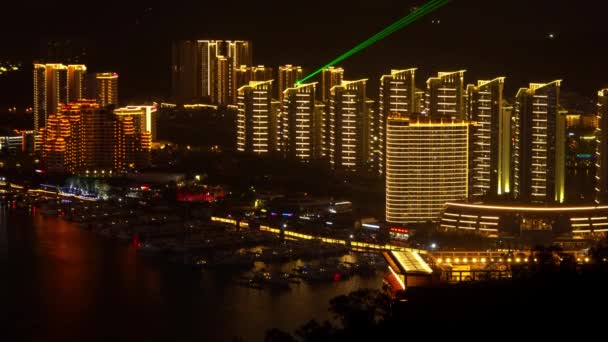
column 67, row 283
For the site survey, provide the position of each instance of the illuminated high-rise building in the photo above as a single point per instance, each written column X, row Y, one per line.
column 197, row 73
column 55, row 84
column 505, row 153
column 144, row 118
column 222, row 92
column 24, row 141
column 107, row 88
column 235, row 53
column 321, row 129
column 397, row 95
column 288, row 76
column 301, row 123
column 330, row 78
column 445, row 95
column 349, row 143
column 132, row 146
column 370, row 135
column 419, row 101
column 490, row 149
column 261, row 73
column 76, row 76
column 50, row 91
column 245, row 74
column 85, row 138
column 63, row 139
column 275, row 125
column 601, row 154
column 256, row 127
column 99, row 131
column 239, row 52
column 426, row 166
column 539, row 144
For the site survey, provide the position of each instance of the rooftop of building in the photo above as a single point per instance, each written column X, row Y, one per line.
column 425, row 120
column 522, row 207
column 396, row 72
column 536, row 86
column 299, row 86
column 106, row 75
column 443, row 74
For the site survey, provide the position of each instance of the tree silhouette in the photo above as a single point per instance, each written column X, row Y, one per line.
column 313, row 331
column 360, row 314
column 276, row 335
column 361, row 309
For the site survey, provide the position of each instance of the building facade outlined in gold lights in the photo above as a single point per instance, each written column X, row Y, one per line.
column 350, row 126
column 445, row 95
column 397, row 95
column 539, row 144
column 256, row 124
column 86, row 139
column 601, row 154
column 426, row 166
column 301, row 123
column 107, row 88
column 491, row 140
column 55, row 84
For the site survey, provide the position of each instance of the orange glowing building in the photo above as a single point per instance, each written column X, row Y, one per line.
column 55, row 84
column 84, row 138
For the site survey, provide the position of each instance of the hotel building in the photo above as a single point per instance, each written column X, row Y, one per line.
column 426, row 166
column 84, row 138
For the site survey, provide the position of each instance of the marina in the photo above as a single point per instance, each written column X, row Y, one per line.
column 155, row 230
column 70, row 270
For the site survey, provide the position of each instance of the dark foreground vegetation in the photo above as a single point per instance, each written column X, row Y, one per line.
column 556, row 298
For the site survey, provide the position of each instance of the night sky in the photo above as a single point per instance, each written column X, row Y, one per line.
column 486, row 37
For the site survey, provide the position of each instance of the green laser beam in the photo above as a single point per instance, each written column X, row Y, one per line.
column 399, row 24
column 427, row 8
column 424, row 10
